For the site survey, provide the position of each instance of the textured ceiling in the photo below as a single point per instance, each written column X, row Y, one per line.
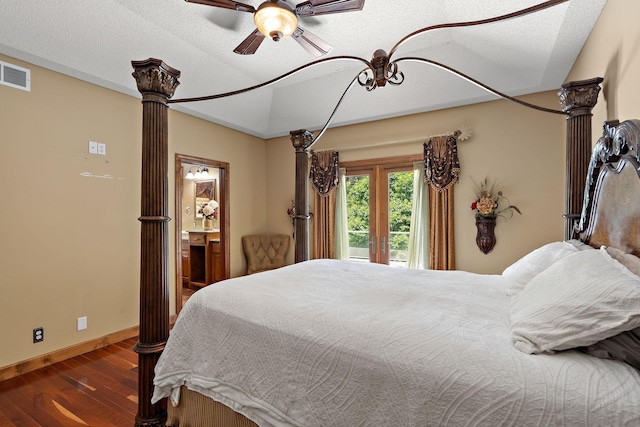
column 96, row 41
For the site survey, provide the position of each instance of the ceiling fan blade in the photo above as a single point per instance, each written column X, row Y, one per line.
column 226, row 4
column 250, row 44
column 325, row 7
column 312, row 43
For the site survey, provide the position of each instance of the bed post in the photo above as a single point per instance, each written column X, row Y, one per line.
column 156, row 82
column 302, row 140
column 578, row 99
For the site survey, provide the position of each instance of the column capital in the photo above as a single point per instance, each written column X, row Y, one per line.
column 301, row 139
column 579, row 97
column 153, row 76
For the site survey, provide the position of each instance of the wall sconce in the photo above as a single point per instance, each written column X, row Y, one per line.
column 485, row 236
column 487, row 208
column 201, row 172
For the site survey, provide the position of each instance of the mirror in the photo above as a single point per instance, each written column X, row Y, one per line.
column 205, row 191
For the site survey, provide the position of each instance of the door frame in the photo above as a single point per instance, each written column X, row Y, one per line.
column 224, row 173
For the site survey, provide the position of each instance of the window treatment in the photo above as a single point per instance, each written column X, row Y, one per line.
column 418, row 250
column 442, row 169
column 342, row 227
column 324, row 178
column 441, row 236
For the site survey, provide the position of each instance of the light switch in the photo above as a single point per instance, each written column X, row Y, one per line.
column 93, row 147
column 82, row 323
column 102, row 149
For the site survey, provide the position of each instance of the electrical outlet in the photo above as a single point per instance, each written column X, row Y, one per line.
column 93, row 147
column 82, row 323
column 38, row 334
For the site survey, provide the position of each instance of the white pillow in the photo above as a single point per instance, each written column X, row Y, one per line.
column 630, row 261
column 581, row 299
column 521, row 272
column 580, row 245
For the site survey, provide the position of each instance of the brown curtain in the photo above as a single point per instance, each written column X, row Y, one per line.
column 324, row 176
column 442, row 169
column 441, row 238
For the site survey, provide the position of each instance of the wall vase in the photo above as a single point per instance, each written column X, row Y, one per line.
column 208, row 224
column 485, row 237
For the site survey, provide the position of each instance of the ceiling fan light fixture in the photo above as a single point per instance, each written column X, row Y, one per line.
column 275, row 19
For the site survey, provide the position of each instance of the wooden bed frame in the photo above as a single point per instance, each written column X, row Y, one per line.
column 597, row 224
column 611, row 209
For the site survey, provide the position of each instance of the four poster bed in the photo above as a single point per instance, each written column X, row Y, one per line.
column 554, row 340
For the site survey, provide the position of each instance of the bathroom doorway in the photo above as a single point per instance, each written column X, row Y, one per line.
column 202, row 237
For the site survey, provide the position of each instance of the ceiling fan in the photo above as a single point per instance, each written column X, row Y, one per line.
column 276, row 19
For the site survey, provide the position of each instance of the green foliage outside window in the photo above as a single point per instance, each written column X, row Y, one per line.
column 358, row 210
column 400, row 199
column 400, row 195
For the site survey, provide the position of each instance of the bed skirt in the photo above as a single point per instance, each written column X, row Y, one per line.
column 197, row 410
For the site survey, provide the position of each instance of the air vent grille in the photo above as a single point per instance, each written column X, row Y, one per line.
column 14, row 76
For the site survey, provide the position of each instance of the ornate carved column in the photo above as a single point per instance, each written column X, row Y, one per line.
column 156, row 82
column 302, row 140
column 578, row 99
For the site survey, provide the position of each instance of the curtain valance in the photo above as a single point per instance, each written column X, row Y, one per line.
column 324, row 173
column 441, row 165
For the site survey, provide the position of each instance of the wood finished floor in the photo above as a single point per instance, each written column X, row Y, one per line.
column 95, row 389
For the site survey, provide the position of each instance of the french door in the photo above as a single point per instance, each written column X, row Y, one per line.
column 379, row 197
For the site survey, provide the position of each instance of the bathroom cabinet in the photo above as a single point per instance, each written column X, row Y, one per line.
column 205, row 258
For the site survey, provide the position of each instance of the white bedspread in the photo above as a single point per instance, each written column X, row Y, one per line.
column 336, row 343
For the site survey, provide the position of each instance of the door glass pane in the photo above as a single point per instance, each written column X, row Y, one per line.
column 400, row 199
column 358, row 216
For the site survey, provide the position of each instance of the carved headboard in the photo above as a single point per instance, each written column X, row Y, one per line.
column 611, row 209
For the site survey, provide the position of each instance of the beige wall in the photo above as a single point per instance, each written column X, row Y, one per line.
column 510, row 144
column 612, row 52
column 70, row 237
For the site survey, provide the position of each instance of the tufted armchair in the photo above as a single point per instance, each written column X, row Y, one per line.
column 265, row 251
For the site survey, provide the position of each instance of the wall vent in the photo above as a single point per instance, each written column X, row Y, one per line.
column 14, row 76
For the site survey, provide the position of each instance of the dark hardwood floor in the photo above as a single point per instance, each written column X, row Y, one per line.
column 95, row 389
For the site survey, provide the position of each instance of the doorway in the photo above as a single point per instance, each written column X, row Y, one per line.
column 379, row 195
column 190, row 224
